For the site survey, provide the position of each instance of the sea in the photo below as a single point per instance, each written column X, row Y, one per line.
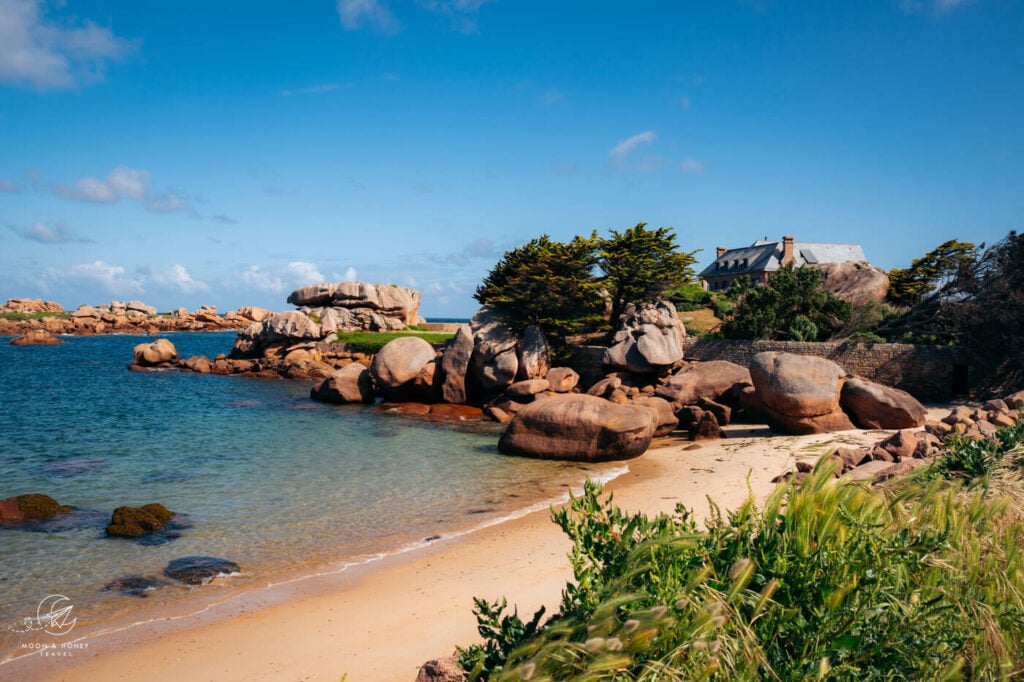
column 255, row 471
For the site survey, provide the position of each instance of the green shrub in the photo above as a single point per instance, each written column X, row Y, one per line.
column 829, row 580
column 690, row 296
column 371, row 342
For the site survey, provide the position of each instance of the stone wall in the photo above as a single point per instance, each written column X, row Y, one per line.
column 927, row 372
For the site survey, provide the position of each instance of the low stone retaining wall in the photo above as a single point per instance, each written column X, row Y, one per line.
column 926, row 372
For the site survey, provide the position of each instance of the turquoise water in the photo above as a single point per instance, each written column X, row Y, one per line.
column 264, row 476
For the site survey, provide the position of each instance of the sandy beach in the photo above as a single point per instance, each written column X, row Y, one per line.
column 381, row 621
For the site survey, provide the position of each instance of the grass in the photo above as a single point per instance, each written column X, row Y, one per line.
column 829, row 580
column 371, row 342
column 34, row 316
column 700, row 322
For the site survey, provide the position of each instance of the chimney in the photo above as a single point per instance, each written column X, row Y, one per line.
column 787, row 250
column 720, row 250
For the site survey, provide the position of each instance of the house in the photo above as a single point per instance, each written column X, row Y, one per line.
column 762, row 258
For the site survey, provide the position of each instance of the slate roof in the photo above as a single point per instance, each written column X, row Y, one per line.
column 765, row 256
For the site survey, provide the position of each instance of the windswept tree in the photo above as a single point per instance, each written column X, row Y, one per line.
column 910, row 286
column 639, row 265
column 790, row 306
column 547, row 283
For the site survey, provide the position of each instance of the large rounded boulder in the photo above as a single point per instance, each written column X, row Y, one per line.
column 648, row 338
column 799, row 393
column 160, row 352
column 873, row 406
column 579, row 427
column 400, row 362
column 713, row 380
column 350, row 384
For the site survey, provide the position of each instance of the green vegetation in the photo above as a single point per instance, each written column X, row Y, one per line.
column 909, row 286
column 34, row 316
column 564, row 287
column 546, row 283
column 690, row 296
column 790, row 306
column 639, row 265
column 830, row 580
column 371, row 342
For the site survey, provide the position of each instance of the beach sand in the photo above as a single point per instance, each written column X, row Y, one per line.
column 381, row 621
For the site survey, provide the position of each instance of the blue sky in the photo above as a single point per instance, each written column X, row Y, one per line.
column 227, row 152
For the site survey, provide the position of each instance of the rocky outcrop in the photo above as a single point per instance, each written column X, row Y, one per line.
column 665, row 420
column 857, row 283
column 873, row 406
column 287, row 328
column 799, row 394
column 714, row 380
column 402, row 362
column 455, row 363
column 533, row 354
column 133, row 522
column 30, row 305
column 30, row 507
column 648, row 339
column 199, row 570
column 494, row 362
column 160, row 353
column 579, row 427
column 363, row 301
column 441, row 670
column 36, row 337
column 350, row 384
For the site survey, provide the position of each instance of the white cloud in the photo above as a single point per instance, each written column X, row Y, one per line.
column 356, row 14
column 620, row 152
column 178, row 278
column 42, row 54
column 88, row 189
column 691, row 165
column 305, row 273
column 129, row 182
column 350, row 275
column 9, row 187
column 168, row 202
column 45, row 234
column 255, row 277
column 224, row 219
column 110, row 278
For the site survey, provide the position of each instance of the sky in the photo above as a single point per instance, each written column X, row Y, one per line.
column 186, row 153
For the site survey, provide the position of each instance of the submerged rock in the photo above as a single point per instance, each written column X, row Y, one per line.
column 36, row 337
column 135, row 585
column 133, row 522
column 30, row 507
column 199, row 570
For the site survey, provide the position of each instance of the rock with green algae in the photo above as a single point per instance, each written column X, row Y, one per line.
column 133, row 522
column 31, row 507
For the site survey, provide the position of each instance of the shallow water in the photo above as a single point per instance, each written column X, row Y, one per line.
column 261, row 474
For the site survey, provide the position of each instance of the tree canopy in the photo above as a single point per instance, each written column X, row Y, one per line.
column 546, row 283
column 639, row 265
column 909, row 286
column 790, row 306
column 563, row 286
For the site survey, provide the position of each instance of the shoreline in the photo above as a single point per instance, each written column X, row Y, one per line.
column 380, row 620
